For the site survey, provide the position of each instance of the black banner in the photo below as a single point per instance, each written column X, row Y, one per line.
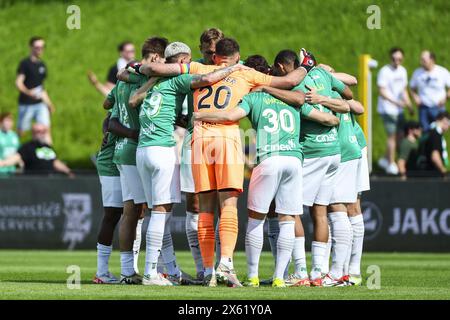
column 62, row 213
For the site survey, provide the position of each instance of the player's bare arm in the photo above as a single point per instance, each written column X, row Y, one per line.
column 158, row 69
column 346, row 78
column 203, row 80
column 290, row 80
column 293, row 98
column 327, row 119
column 220, row 116
column 115, row 127
column 356, row 107
column 139, row 95
column 336, row 105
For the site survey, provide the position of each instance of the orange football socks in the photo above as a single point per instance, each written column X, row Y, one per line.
column 206, row 238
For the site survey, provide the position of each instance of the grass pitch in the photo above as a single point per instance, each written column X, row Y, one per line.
column 42, row 275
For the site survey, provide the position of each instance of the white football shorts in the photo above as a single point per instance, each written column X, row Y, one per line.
column 363, row 183
column 132, row 188
column 318, row 179
column 344, row 186
column 279, row 178
column 186, row 179
column 160, row 172
column 111, row 191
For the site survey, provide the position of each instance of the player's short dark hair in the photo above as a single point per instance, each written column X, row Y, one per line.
column 123, row 44
column 410, row 125
column 5, row 115
column 227, row 47
column 443, row 115
column 287, row 56
column 258, row 62
column 396, row 49
column 210, row 35
column 34, row 39
column 154, row 45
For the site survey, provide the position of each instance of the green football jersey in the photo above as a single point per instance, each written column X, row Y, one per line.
column 104, row 161
column 159, row 110
column 9, row 144
column 125, row 149
column 319, row 140
column 350, row 148
column 359, row 133
column 277, row 126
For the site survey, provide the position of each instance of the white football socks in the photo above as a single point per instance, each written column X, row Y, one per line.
column 192, row 236
column 103, row 254
column 317, row 254
column 126, row 263
column 154, row 240
column 254, row 240
column 340, row 237
column 167, row 250
column 285, row 245
column 357, row 223
column 299, row 256
column 349, row 250
column 326, row 258
column 137, row 244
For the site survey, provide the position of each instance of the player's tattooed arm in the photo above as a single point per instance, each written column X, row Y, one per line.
column 203, row 80
column 115, row 127
column 327, row 119
column 220, row 116
column 336, row 105
column 294, row 98
column 139, row 95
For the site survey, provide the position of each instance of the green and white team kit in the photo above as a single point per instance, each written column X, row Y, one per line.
column 318, row 140
column 159, row 110
column 125, row 149
column 276, row 123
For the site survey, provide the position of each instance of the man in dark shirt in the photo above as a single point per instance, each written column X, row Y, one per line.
column 433, row 147
column 127, row 54
column 36, row 156
column 409, row 148
column 34, row 102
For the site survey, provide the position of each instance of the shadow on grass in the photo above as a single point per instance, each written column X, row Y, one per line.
column 45, row 281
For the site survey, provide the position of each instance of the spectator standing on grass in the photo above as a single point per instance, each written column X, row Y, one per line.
column 126, row 54
column 393, row 97
column 433, row 155
column 428, row 88
column 9, row 141
column 34, row 102
column 37, row 156
column 409, row 148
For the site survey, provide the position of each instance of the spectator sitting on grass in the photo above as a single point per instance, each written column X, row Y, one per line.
column 37, row 156
column 433, row 155
column 9, row 141
column 409, row 148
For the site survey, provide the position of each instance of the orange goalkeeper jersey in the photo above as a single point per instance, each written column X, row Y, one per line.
column 227, row 93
